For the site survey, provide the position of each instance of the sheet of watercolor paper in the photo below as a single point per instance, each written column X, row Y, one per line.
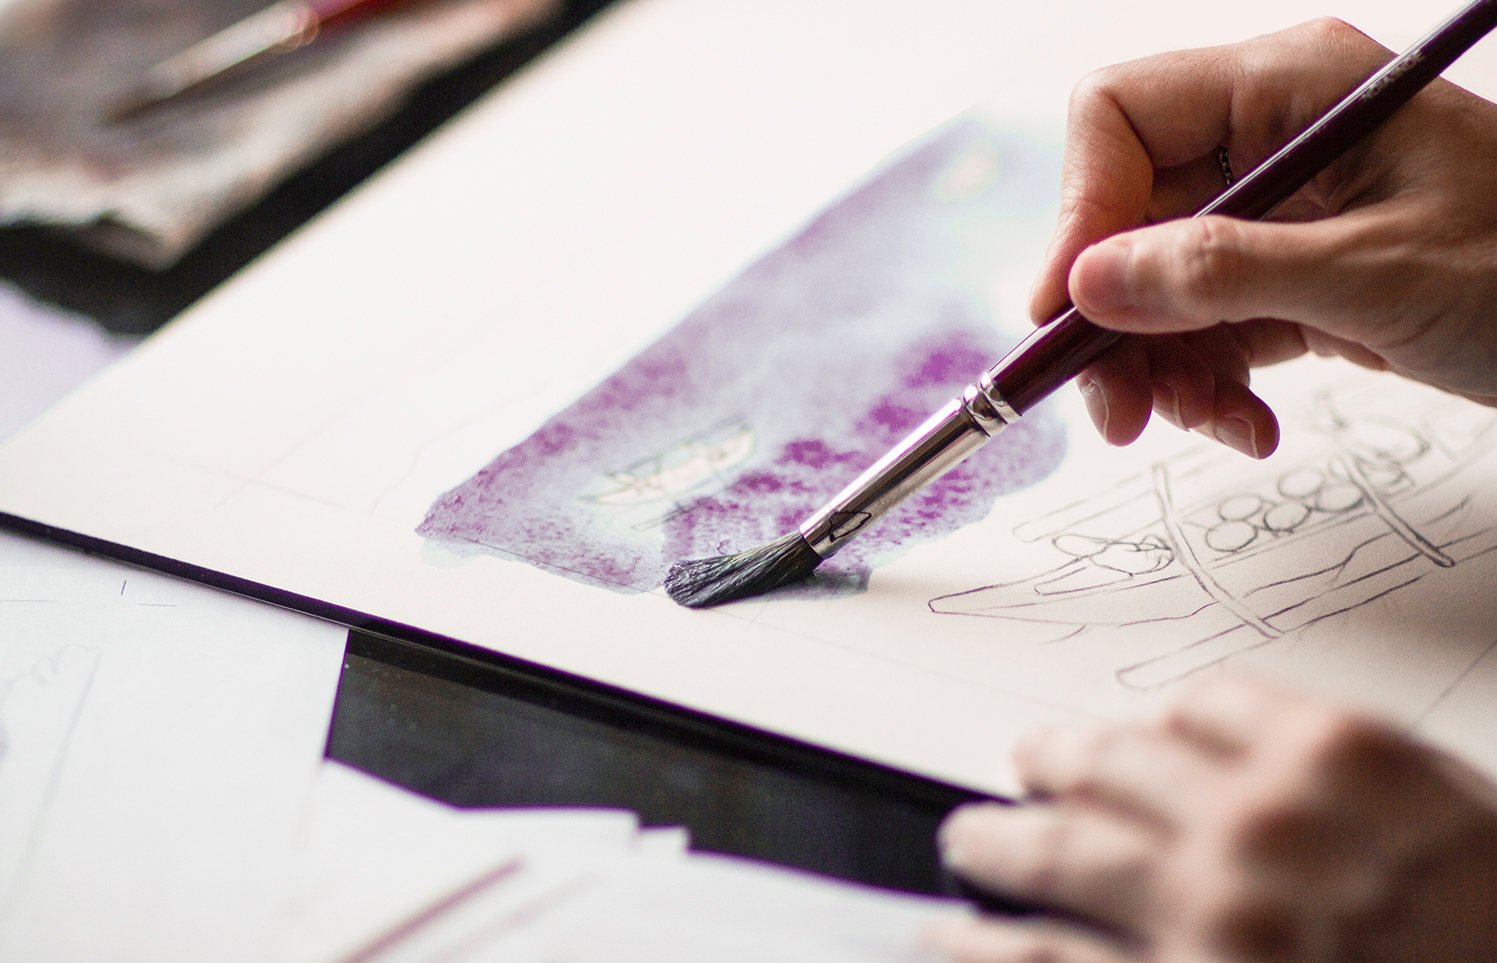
column 158, row 746
column 610, row 319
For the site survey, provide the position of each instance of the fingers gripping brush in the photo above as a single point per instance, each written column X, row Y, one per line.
column 1061, row 348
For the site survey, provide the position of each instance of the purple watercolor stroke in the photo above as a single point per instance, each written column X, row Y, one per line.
column 779, row 389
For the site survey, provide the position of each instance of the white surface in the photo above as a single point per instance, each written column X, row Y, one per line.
column 664, row 910
column 393, row 878
column 371, row 856
column 294, row 428
column 159, row 744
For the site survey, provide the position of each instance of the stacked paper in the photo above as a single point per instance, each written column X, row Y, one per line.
column 393, row 878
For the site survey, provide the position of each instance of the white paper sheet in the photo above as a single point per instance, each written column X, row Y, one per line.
column 664, row 910
column 160, row 741
column 492, row 908
column 372, row 857
column 295, row 432
column 389, row 877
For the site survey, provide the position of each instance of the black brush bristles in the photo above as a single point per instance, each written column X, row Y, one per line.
column 700, row 582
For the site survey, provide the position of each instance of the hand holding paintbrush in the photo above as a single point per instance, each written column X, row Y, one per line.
column 1068, row 344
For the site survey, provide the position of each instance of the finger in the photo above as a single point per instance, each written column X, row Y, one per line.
column 1198, row 380
column 1067, row 858
column 1173, row 109
column 1336, row 275
column 1021, row 941
column 1184, row 387
column 1119, row 392
column 1225, row 716
column 1242, row 421
column 1237, row 418
column 1138, row 772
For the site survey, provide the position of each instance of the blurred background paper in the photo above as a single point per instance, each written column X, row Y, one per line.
column 384, row 876
column 158, row 746
column 371, row 856
column 149, row 188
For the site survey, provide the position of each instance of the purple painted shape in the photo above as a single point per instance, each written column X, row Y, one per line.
column 782, row 387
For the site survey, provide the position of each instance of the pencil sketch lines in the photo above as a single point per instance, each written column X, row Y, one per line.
column 1185, row 552
column 1195, row 560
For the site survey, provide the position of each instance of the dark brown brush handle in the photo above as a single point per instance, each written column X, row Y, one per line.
column 1062, row 348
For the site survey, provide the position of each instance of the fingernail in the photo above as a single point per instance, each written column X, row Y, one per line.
column 1167, row 403
column 1100, row 278
column 1238, row 433
column 1096, row 405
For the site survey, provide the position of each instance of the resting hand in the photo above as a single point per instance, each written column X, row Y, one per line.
column 1244, row 825
column 1388, row 258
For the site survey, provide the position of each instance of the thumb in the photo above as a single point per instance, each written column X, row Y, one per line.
column 1191, row 274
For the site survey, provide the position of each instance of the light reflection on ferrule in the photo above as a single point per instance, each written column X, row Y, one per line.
column 943, row 440
column 987, row 407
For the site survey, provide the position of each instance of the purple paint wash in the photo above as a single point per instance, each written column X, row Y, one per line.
column 778, row 390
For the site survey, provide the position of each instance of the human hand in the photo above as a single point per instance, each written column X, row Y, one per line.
column 1244, row 825
column 1388, row 258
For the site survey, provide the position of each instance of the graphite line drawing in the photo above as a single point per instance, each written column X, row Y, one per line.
column 1204, row 556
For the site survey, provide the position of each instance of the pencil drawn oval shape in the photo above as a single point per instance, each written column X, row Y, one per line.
column 1231, row 536
column 1285, row 517
column 1239, row 508
column 1301, row 483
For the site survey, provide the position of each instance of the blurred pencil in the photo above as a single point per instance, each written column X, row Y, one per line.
column 280, row 27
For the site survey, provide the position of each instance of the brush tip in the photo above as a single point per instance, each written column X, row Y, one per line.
column 699, row 582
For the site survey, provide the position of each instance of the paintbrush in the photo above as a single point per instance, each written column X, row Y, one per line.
column 280, row 27
column 1064, row 346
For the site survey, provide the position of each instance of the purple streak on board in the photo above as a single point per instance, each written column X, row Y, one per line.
column 779, row 389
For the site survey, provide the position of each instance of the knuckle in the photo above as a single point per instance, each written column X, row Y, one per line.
column 1327, row 31
column 1334, row 37
column 1209, row 266
column 1092, row 87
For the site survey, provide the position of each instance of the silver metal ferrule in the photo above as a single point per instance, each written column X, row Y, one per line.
column 940, row 444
